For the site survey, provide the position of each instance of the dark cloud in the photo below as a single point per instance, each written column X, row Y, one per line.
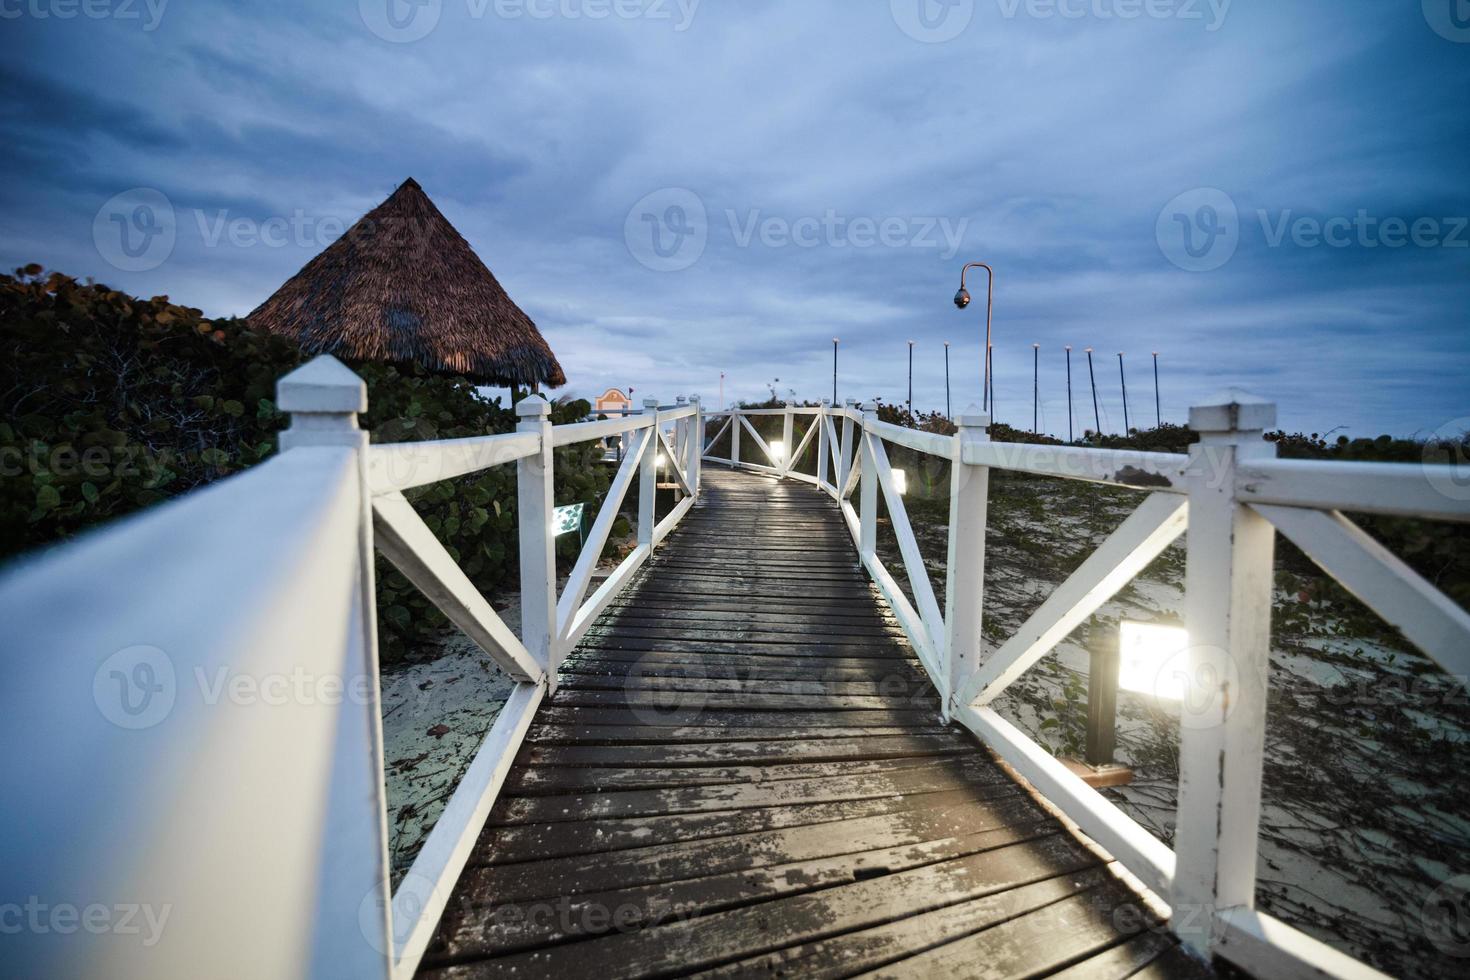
column 1049, row 146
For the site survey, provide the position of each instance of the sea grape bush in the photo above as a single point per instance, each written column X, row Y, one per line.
column 110, row 403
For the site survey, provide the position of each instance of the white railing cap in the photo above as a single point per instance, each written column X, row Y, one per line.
column 973, row 418
column 533, row 407
column 322, row 385
column 1232, row 410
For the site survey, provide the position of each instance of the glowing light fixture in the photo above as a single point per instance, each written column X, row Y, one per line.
column 901, row 482
column 663, row 461
column 778, row 450
column 1152, row 659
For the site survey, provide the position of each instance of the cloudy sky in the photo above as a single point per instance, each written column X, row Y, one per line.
column 1272, row 195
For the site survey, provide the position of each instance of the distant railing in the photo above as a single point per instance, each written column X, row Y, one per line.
column 262, row 834
column 1232, row 495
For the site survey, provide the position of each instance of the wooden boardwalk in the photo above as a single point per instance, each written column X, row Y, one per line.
column 744, row 773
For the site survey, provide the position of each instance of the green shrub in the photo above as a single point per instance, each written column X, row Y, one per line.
column 111, row 403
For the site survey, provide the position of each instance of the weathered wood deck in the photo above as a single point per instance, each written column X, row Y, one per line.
column 744, row 772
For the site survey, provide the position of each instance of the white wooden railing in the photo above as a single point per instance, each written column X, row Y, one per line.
column 189, row 699
column 1231, row 495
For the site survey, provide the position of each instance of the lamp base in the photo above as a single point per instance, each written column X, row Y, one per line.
column 1099, row 777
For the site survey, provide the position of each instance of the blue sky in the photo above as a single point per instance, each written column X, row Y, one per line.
column 673, row 188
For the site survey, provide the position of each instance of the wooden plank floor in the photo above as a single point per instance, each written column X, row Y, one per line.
column 744, row 773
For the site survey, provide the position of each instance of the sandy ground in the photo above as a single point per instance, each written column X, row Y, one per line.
column 435, row 715
column 1368, row 743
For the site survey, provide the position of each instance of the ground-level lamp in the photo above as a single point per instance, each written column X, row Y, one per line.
column 962, row 300
column 1145, row 658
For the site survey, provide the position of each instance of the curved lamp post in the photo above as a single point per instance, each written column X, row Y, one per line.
column 962, row 300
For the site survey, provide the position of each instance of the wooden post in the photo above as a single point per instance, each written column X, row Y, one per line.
column 735, row 438
column 1228, row 581
column 535, row 503
column 1102, row 697
column 680, row 445
column 323, row 398
column 868, row 516
column 845, row 451
column 820, row 421
column 696, row 445
column 648, row 479
column 788, row 428
column 969, row 496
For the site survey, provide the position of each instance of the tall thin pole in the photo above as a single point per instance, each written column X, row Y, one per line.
column 722, row 391
column 1069, row 393
column 990, row 372
column 962, row 299
column 948, row 412
column 1096, row 417
column 834, row 371
column 911, row 379
column 1124, row 380
column 1158, row 415
column 1035, row 385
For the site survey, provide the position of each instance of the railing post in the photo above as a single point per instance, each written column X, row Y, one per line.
column 648, row 479
column 735, row 437
column 323, row 398
column 536, row 501
column 868, row 518
column 845, row 462
column 788, row 429
column 681, row 446
column 1228, row 581
column 696, row 444
column 820, row 421
column 969, row 497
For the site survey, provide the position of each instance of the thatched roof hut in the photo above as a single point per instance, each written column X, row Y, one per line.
column 403, row 286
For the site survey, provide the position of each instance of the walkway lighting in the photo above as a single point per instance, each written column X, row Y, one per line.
column 1150, row 660
column 901, row 482
column 778, row 450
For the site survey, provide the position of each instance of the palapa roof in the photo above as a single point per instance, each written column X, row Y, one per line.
column 403, row 286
